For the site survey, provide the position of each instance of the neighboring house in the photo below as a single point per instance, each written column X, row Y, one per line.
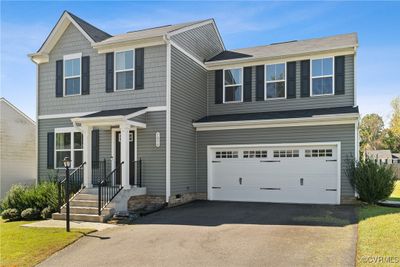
column 272, row 123
column 383, row 154
column 17, row 146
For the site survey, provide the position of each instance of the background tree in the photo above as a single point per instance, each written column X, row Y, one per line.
column 395, row 120
column 371, row 129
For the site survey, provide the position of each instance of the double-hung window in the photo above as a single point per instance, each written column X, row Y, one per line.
column 72, row 74
column 124, row 70
column 233, row 86
column 322, row 76
column 275, row 82
column 68, row 144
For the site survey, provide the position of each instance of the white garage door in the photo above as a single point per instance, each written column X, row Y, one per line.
column 292, row 174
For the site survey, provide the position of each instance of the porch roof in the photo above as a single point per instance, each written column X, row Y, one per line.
column 114, row 112
column 112, row 117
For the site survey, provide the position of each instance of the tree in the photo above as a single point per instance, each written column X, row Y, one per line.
column 395, row 120
column 371, row 129
column 391, row 141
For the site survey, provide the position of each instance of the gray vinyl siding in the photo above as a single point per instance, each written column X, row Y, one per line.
column 44, row 127
column 188, row 103
column 153, row 158
column 153, row 168
column 284, row 104
column 72, row 41
column 202, row 42
column 332, row 133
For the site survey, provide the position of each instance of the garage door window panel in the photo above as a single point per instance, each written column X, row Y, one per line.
column 227, row 154
column 255, row 154
column 286, row 153
column 318, row 153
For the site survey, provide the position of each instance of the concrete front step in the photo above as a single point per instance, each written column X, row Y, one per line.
column 84, row 203
column 87, row 210
column 81, row 217
column 86, row 197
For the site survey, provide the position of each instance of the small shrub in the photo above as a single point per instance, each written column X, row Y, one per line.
column 30, row 214
column 373, row 182
column 46, row 213
column 11, row 214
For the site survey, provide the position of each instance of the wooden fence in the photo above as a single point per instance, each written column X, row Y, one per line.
column 395, row 163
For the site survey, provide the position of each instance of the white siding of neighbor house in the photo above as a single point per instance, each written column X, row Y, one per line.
column 18, row 148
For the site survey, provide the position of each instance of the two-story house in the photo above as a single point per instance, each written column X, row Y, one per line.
column 169, row 112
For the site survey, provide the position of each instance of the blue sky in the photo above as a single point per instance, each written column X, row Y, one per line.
column 25, row 25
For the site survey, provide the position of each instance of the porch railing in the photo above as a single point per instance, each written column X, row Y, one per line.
column 136, row 178
column 99, row 171
column 108, row 189
column 75, row 186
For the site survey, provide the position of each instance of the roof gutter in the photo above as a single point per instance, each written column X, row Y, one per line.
column 335, row 119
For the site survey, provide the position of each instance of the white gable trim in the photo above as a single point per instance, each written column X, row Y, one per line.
column 42, row 55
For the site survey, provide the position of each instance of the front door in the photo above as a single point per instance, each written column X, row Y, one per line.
column 131, row 156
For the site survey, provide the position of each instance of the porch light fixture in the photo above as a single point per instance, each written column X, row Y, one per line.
column 67, row 162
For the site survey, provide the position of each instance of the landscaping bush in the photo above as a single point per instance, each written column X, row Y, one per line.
column 37, row 197
column 11, row 214
column 373, row 182
column 46, row 213
column 30, row 214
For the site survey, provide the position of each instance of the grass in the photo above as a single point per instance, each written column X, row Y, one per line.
column 23, row 246
column 379, row 234
column 396, row 193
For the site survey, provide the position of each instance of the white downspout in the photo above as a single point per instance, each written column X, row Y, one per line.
column 168, row 123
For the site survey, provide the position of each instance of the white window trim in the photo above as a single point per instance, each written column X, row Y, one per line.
column 265, row 82
column 241, row 85
column 69, row 57
column 322, row 76
column 71, row 131
column 124, row 70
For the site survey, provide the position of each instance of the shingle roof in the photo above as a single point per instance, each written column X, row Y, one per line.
column 288, row 114
column 114, row 112
column 96, row 34
column 149, row 33
column 228, row 55
column 298, row 47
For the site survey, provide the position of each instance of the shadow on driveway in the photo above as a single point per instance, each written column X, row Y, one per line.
column 215, row 213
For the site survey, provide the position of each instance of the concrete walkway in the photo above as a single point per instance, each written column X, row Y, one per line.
column 223, row 234
column 73, row 225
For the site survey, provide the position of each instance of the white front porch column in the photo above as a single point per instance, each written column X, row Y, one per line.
column 87, row 155
column 125, row 155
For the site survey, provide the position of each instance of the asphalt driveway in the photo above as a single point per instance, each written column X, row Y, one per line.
column 206, row 233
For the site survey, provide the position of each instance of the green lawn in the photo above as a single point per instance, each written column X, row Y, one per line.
column 22, row 246
column 379, row 233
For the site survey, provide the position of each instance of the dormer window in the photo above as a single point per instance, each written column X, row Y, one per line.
column 233, row 85
column 72, row 74
column 322, row 76
column 124, row 70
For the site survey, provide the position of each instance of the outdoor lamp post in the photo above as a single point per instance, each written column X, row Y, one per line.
column 67, row 165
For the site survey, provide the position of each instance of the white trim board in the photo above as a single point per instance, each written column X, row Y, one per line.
column 253, row 124
column 337, row 144
column 168, row 126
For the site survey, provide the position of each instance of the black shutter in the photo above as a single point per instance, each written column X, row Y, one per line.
column 247, row 84
column 85, row 75
column 110, row 72
column 218, row 87
column 339, row 75
column 305, row 78
column 291, row 79
column 95, row 148
column 260, row 83
column 139, row 68
column 50, row 150
column 59, row 78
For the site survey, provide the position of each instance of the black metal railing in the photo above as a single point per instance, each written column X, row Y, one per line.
column 75, row 185
column 136, row 169
column 108, row 188
column 99, row 171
